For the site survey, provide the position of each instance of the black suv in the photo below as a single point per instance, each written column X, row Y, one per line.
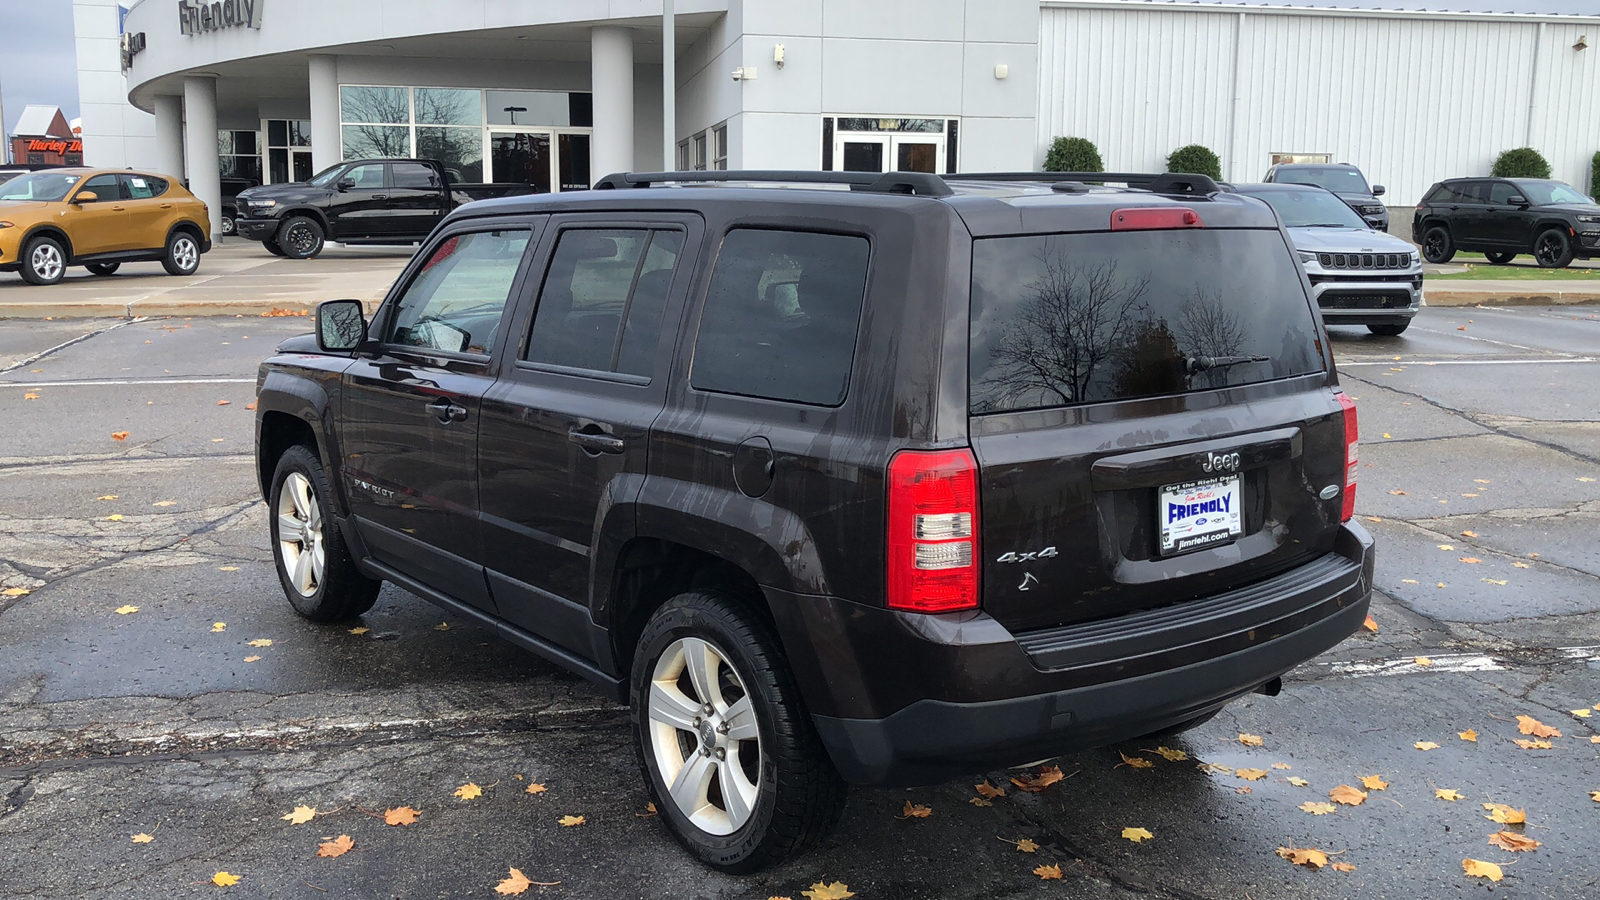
column 860, row 478
column 1502, row 217
column 1341, row 178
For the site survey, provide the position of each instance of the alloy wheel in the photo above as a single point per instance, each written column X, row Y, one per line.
column 47, row 262
column 1549, row 250
column 185, row 254
column 704, row 735
column 227, row 225
column 300, row 537
column 1434, row 246
column 301, row 239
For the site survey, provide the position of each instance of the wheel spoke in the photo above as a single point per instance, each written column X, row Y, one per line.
column 688, row 790
column 288, row 527
column 302, row 572
column 318, row 562
column 741, row 721
column 302, row 497
column 702, row 661
column 669, row 706
column 738, row 794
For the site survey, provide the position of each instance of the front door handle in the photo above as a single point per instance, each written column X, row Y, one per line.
column 166, row 206
column 448, row 411
column 119, row 209
column 597, row 442
column 380, row 196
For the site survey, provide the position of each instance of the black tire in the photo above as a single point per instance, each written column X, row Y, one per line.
column 1390, row 329
column 1181, row 727
column 103, row 268
column 1500, row 259
column 44, row 261
column 183, row 254
column 798, row 796
column 300, row 237
column 1552, row 249
column 1437, row 246
column 227, row 224
column 341, row 592
column 272, row 247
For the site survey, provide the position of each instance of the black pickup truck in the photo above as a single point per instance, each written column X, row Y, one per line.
column 360, row 201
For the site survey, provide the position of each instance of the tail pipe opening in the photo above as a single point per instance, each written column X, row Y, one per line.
column 1272, row 688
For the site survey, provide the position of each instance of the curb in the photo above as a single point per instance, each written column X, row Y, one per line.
column 1539, row 296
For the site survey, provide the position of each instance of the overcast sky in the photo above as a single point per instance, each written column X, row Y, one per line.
column 37, row 61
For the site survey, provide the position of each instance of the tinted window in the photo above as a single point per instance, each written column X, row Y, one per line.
column 414, row 175
column 1500, row 193
column 1065, row 319
column 367, row 178
column 1440, row 194
column 601, row 304
column 1542, row 193
column 106, row 187
column 781, row 316
column 455, row 302
column 142, row 187
column 1472, row 192
column 1310, row 209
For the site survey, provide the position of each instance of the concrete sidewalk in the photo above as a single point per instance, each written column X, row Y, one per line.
column 1510, row 292
column 236, row 278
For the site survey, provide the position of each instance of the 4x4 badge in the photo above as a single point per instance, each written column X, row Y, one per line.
column 1046, row 553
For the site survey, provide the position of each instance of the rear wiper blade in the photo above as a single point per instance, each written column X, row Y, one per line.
column 1196, row 364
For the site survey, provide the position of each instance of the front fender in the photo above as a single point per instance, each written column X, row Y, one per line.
column 308, row 397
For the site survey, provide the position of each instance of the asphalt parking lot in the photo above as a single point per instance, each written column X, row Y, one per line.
column 1480, row 479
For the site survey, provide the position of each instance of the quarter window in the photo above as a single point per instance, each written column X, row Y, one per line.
column 781, row 316
column 414, row 175
column 142, row 187
column 455, row 302
column 603, row 297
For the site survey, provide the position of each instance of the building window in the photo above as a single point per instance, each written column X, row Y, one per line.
column 699, row 144
column 288, row 150
column 888, row 144
column 719, row 147
column 683, row 156
column 706, row 150
column 1291, row 158
column 239, row 154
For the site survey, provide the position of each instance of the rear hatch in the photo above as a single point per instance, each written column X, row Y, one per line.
column 1152, row 419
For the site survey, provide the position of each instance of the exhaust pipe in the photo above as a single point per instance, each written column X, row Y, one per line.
column 1272, row 688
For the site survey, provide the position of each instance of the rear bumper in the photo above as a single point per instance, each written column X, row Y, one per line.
column 957, row 694
column 255, row 229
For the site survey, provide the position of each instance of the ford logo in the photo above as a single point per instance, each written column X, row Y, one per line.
column 1200, row 521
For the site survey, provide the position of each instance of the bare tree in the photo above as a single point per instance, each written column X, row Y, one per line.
column 1208, row 327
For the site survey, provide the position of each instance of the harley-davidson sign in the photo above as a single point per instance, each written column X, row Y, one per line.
column 57, row 147
column 197, row 16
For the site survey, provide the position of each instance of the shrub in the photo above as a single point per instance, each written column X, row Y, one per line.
column 1195, row 159
column 1523, row 162
column 1073, row 154
column 1594, row 175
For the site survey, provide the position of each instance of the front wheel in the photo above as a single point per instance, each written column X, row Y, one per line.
column 103, row 268
column 727, row 748
column 183, row 254
column 300, row 238
column 1390, row 329
column 1553, row 249
column 43, row 261
column 1437, row 247
column 318, row 574
column 1500, row 259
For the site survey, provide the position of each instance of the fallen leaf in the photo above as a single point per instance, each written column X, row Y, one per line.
column 1374, row 782
column 1317, row 809
column 979, row 801
column 1530, row 725
column 224, row 402
column 217, row 440
column 1371, row 624
column 1423, row 661
column 442, row 626
column 1137, row 834
column 1283, row 767
column 339, row 846
column 536, row 788
column 1480, row 869
column 1581, row 713
column 1469, row 534
column 250, row 405
column 405, row 815
column 1447, row 794
column 1171, row 755
column 516, row 884
column 165, row 503
column 1347, row 795
column 1510, row 840
column 1586, row 479
column 1398, row 493
column 1342, row 867
column 122, row 436
column 15, row 592
column 1595, row 739
column 1441, row 584
column 30, row 396
column 300, row 815
column 259, row 642
column 1046, row 873
column 1447, row 546
column 279, row 313
column 218, row 627
column 1135, row 762
column 569, row 821
column 1372, row 518
column 1304, row 856
column 1033, row 784
column 1249, row 740
column 1482, row 481
column 223, row 879
column 1298, row 782
column 988, row 791
column 125, row 610
column 1026, row 845
column 227, row 568
column 1251, row 774
column 1505, row 815
column 1526, row 744
column 1471, row 560
column 1425, row 745
column 468, row 791
column 915, row 811
column 114, row 517
column 835, row 891
column 650, row 812
column 251, row 658
column 142, row 838
column 1595, row 795
column 360, row 629
column 1468, row 735
column 1243, row 790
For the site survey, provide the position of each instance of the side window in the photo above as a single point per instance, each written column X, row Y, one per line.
column 367, row 178
column 781, row 316
column 106, row 187
column 1442, row 194
column 1474, row 192
column 1501, row 192
column 455, row 302
column 414, row 175
column 142, row 187
column 602, row 301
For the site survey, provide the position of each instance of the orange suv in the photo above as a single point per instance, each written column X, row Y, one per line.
column 98, row 219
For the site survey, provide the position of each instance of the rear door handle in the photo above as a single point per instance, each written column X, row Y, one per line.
column 595, row 442
column 166, row 206
column 448, row 411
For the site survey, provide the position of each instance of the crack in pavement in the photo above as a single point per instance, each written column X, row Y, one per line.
column 65, row 344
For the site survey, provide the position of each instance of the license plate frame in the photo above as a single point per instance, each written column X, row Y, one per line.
column 1219, row 522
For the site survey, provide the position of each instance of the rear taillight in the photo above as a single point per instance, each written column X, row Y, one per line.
column 1148, row 218
column 933, row 531
column 1350, row 431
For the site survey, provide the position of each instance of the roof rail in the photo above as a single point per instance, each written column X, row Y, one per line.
column 919, row 183
column 1159, row 183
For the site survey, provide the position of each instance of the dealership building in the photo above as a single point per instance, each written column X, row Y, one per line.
column 555, row 93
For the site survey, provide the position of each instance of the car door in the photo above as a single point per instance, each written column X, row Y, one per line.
column 1469, row 214
column 416, row 199
column 565, row 432
column 150, row 215
column 100, row 226
column 1507, row 224
column 410, row 448
column 360, row 203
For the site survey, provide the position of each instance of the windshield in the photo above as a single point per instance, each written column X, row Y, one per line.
column 1345, row 181
column 1541, row 193
column 1064, row 319
column 326, row 176
column 1310, row 209
column 50, row 187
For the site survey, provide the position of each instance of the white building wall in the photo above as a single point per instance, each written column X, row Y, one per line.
column 115, row 134
column 1409, row 99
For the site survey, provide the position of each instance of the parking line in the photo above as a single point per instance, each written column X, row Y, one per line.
column 119, row 382
column 1472, row 362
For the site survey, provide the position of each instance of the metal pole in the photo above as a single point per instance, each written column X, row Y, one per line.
column 669, row 87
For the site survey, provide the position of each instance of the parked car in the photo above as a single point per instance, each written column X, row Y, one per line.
column 231, row 188
column 718, row 449
column 99, row 219
column 1502, row 217
column 1342, row 179
column 8, row 172
column 1358, row 276
column 362, row 201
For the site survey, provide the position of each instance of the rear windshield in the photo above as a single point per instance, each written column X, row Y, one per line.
column 1064, row 319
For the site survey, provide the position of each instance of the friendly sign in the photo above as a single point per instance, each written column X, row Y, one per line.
column 198, row 17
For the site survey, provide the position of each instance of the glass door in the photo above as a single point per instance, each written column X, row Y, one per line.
column 889, row 152
column 918, row 154
column 862, row 152
column 521, row 157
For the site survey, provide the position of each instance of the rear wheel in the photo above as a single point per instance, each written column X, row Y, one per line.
column 1437, row 247
column 1390, row 329
column 1553, row 249
column 1500, row 259
column 183, row 254
column 727, row 748
column 43, row 261
column 300, row 238
column 103, row 268
column 227, row 224
column 318, row 574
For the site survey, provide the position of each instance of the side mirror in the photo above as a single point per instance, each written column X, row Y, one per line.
column 86, row 197
column 1377, row 190
column 346, row 184
column 1517, row 200
column 341, row 326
